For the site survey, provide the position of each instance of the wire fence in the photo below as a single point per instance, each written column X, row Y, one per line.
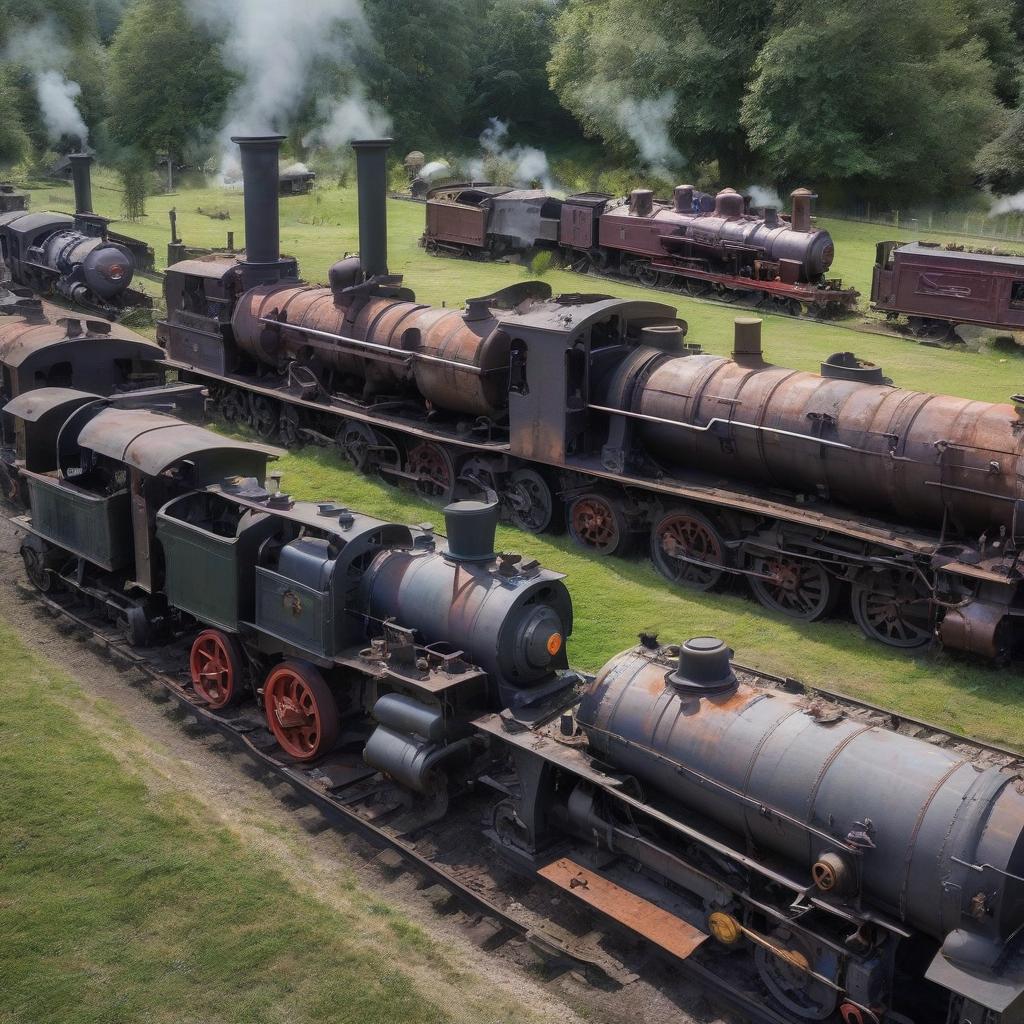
column 1004, row 227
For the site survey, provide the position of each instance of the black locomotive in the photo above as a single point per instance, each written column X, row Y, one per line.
column 699, row 809
column 71, row 256
column 817, row 489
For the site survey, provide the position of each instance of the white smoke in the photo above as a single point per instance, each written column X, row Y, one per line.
column 762, row 196
column 40, row 50
column 354, row 117
column 1008, row 204
column 296, row 168
column 435, row 169
column 274, row 50
column 644, row 121
column 526, row 164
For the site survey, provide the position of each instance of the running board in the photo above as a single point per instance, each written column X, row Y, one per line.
column 672, row 933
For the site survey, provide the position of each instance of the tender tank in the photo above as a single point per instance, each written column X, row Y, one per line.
column 940, row 842
column 510, row 620
column 457, row 360
column 878, row 448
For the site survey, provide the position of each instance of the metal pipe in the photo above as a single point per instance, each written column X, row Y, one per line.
column 372, row 179
column 259, row 180
column 82, row 179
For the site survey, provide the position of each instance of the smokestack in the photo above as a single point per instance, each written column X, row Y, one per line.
column 800, row 220
column 729, row 204
column 746, row 345
column 82, row 178
column 641, row 202
column 262, row 225
column 682, row 196
column 704, row 666
column 372, row 179
column 470, row 526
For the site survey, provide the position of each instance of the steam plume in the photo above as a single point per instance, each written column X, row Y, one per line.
column 525, row 164
column 644, row 121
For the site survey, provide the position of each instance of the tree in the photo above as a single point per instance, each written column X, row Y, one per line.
column 1001, row 162
column 885, row 98
column 510, row 80
column 14, row 141
column 653, row 76
column 420, row 65
column 167, row 82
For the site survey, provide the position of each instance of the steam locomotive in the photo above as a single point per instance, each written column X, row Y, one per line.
column 71, row 256
column 815, row 488
column 698, row 242
column 697, row 808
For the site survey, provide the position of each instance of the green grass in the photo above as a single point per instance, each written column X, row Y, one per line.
column 119, row 903
column 614, row 599
column 321, row 227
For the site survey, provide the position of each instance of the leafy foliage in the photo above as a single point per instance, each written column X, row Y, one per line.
column 167, row 84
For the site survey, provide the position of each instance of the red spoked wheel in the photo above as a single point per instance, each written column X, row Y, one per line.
column 216, row 667
column 301, row 710
column 687, row 549
column 434, row 469
column 599, row 522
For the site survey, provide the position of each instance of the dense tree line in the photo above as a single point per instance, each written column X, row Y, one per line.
column 887, row 99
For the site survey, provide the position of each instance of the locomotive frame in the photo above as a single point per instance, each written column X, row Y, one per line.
column 280, row 365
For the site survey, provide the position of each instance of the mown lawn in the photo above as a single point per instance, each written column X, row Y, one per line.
column 615, row 599
column 121, row 904
column 321, row 227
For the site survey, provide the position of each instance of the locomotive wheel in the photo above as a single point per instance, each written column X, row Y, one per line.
column 930, row 330
column 787, row 977
column 301, row 710
column 696, row 288
column 9, row 483
column 532, row 506
column 798, row 587
column 355, row 440
column 682, row 535
column 288, row 427
column 215, row 664
column 648, row 276
column 893, row 610
column 232, row 406
column 435, row 471
column 599, row 522
column 266, row 417
column 38, row 566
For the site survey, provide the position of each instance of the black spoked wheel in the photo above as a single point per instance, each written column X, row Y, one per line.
column 798, row 587
column 531, row 505
column 894, row 608
column 648, row 276
column 266, row 417
column 696, row 288
column 38, row 565
column 289, row 427
column 232, row 406
column 687, row 549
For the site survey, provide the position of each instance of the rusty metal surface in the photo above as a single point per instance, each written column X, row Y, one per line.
column 642, row 916
column 884, row 450
column 978, row 628
column 802, row 779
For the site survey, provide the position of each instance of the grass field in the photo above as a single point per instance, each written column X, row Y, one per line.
column 614, row 599
column 123, row 900
column 321, row 227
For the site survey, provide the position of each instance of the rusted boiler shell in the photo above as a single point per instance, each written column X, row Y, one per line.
column 454, row 360
column 878, row 448
column 776, row 771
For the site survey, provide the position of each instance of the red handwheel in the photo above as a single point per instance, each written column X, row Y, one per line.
column 216, row 667
column 301, row 710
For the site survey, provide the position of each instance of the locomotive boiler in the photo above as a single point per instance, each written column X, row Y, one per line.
column 777, row 813
column 818, row 490
column 71, row 256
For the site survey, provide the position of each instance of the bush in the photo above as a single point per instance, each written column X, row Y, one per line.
column 134, row 172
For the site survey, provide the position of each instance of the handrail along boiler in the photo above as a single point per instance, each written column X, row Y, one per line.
column 817, row 489
column 669, row 792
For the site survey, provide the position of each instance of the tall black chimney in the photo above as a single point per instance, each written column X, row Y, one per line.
column 372, row 179
column 82, row 178
column 262, row 228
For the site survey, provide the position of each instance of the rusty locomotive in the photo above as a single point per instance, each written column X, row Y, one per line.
column 75, row 257
column 817, row 489
column 698, row 243
column 697, row 807
column 939, row 287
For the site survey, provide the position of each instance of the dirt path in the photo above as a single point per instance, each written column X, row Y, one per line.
column 146, row 736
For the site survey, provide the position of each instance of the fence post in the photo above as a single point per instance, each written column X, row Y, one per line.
column 897, row 221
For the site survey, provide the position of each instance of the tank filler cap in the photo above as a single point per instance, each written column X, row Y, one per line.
column 704, row 667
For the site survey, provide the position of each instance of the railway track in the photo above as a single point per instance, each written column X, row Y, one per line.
column 450, row 858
